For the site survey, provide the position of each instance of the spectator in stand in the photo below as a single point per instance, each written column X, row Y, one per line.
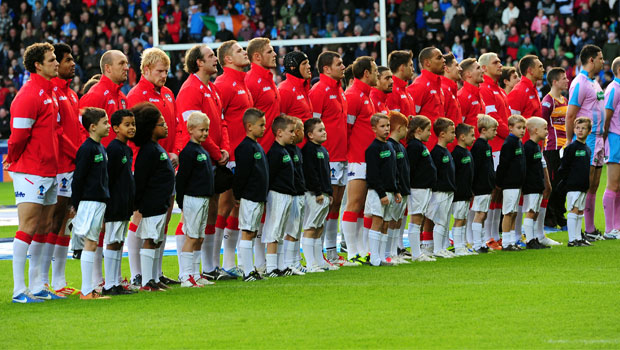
column 5, row 123
column 526, row 48
column 611, row 49
column 538, row 22
column 510, row 14
column 224, row 34
column 434, row 16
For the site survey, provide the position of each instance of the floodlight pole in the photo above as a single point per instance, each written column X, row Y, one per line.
column 155, row 22
column 383, row 32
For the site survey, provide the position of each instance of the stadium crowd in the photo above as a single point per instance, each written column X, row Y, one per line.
column 263, row 164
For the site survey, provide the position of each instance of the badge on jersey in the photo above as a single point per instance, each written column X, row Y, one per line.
column 201, row 157
column 400, row 155
column 286, row 159
column 257, row 155
column 98, row 158
column 385, row 154
column 445, row 159
column 163, row 156
column 320, row 155
column 295, row 158
column 466, row 160
column 488, row 153
column 581, row 153
column 425, row 153
column 537, row 155
column 518, row 152
column 124, row 160
column 600, row 95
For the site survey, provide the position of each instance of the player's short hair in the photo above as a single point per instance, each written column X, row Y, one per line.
column 191, row 56
column 362, row 64
column 147, row 115
column 382, row 69
column 588, row 51
column 507, row 72
column 196, row 118
column 486, row 122
column 555, row 73
column 348, row 76
column 463, row 129
column 311, row 124
column 515, row 119
column 251, row 115
column 326, row 58
column 397, row 119
column 527, row 62
column 152, row 56
column 467, row 64
column 281, row 122
column 60, row 49
column 398, row 58
column 615, row 65
column 417, row 122
column 298, row 123
column 106, row 58
column 117, row 117
column 426, row 54
column 584, row 120
column 90, row 83
column 535, row 123
column 441, row 125
column 257, row 45
column 374, row 120
column 486, row 58
column 224, row 50
column 92, row 115
column 35, row 53
column 449, row 57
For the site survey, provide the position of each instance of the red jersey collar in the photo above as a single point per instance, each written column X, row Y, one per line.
column 298, row 82
column 262, row 72
column 42, row 82
column 490, row 81
column 147, row 85
column 380, row 94
column 61, row 83
column 528, row 83
column 363, row 87
column 450, row 83
column 106, row 82
column 331, row 82
column 430, row 76
column 398, row 83
column 470, row 87
column 236, row 75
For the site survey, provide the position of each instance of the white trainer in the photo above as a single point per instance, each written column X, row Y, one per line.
column 296, row 271
column 444, row 254
column 423, row 258
column 314, row 269
column 549, row 242
column 204, row 282
column 461, row 252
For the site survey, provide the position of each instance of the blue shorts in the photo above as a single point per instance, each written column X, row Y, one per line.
column 613, row 148
column 597, row 148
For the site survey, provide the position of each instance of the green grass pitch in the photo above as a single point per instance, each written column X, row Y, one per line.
column 555, row 298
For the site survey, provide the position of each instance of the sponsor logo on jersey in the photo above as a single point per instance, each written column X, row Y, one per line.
column 124, row 160
column 518, row 152
column 163, row 156
column 98, row 158
column 488, row 153
column 537, row 155
column 286, row 159
column 425, row 153
column 320, row 155
column 400, row 155
column 581, row 153
column 385, row 154
column 258, row 155
column 20, row 194
column 201, row 157
column 153, row 99
column 445, row 159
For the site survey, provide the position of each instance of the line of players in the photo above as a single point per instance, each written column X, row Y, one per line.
column 346, row 116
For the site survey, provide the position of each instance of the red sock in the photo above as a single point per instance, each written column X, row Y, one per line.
column 543, row 203
column 367, row 222
column 210, row 230
column 232, row 223
column 52, row 238
column 39, row 237
column 179, row 231
column 101, row 235
column 63, row 241
column 133, row 227
column 23, row 236
column 220, row 222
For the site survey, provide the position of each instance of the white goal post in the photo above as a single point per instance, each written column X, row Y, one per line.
column 292, row 42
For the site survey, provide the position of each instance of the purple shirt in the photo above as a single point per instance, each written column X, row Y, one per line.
column 612, row 99
column 587, row 94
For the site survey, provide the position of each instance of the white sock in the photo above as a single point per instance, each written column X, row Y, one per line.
column 20, row 252
column 162, row 249
column 393, row 251
column 374, row 241
column 528, row 229
column 469, row 234
column 46, row 261
column 207, row 261
column 281, row 265
column 401, row 234
column 180, row 242
column 318, row 252
column 579, row 224
column 497, row 217
column 272, row 262
column 383, row 247
column 98, row 266
column 245, row 256
column 297, row 249
column 217, row 247
column 147, row 257
column 458, row 234
column 259, row 249
column 196, row 264
column 438, row 238
column 476, row 231
column 289, row 253
column 331, row 234
column 506, row 239
column 390, row 238
column 307, row 244
column 230, row 243
column 349, row 230
column 58, row 267
column 119, row 261
column 110, row 268
column 34, row 269
column 414, row 240
column 519, row 221
column 187, row 265
column 86, row 262
column 364, row 249
column 156, row 262
column 515, row 238
column 572, row 220
column 134, row 243
column 539, row 224
column 488, row 226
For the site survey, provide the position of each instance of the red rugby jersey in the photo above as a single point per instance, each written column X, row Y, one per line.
column 399, row 99
column 359, row 110
column 471, row 104
column 33, row 144
column 266, row 97
column 496, row 106
column 330, row 104
column 70, row 130
column 379, row 100
column 428, row 99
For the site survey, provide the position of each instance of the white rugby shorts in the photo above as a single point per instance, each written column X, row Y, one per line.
column 532, row 202
column 88, row 220
column 338, row 173
column 315, row 213
column 277, row 212
column 356, row 171
column 294, row 223
column 250, row 214
column 374, row 207
column 152, row 227
column 34, row 189
column 510, row 201
column 115, row 232
column 439, row 208
column 575, row 199
column 419, row 200
column 64, row 181
column 481, row 203
column 460, row 210
column 195, row 210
